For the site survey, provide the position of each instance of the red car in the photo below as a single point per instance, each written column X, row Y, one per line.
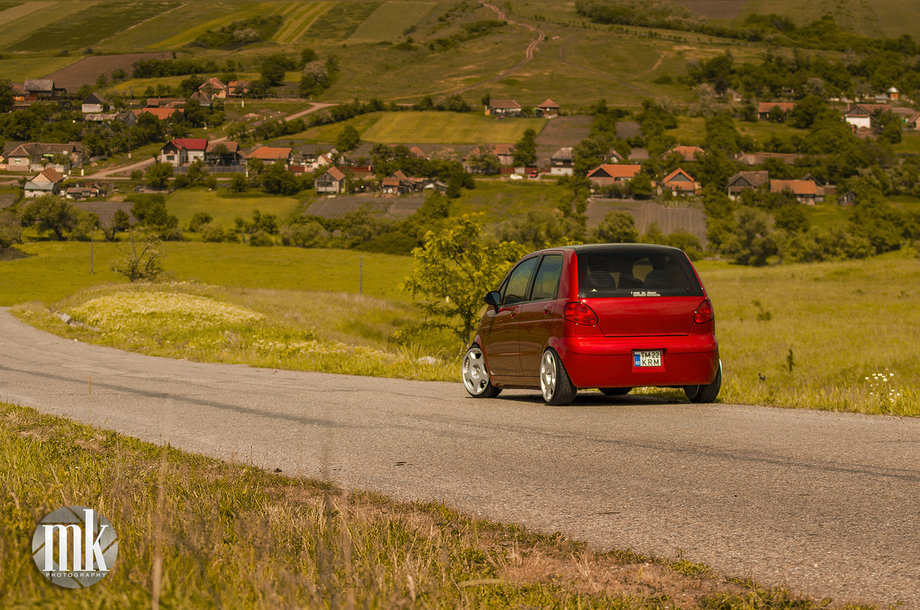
column 612, row 316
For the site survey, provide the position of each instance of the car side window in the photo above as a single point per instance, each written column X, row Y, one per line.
column 546, row 282
column 516, row 288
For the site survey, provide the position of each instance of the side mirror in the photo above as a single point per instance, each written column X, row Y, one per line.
column 493, row 298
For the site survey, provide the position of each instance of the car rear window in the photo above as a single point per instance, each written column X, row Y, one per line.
column 635, row 272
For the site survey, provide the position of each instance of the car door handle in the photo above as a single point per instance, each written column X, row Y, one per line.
column 514, row 313
column 547, row 310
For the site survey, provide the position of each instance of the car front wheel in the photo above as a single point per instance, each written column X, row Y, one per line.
column 705, row 393
column 475, row 375
column 555, row 384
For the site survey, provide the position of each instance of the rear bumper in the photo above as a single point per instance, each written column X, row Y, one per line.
column 608, row 362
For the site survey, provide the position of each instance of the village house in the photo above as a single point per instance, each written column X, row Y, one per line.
column 222, row 154
column 399, row 183
column 562, row 162
column 548, row 109
column 94, row 104
column 165, row 102
column 765, row 109
column 46, row 182
column 639, row 155
column 860, row 116
column 35, row 156
column 744, row 181
column 503, row 152
column 161, row 114
column 203, row 99
column 687, row 153
column 85, row 191
column 806, row 191
column 183, row 151
column 238, row 88
column 679, row 182
column 331, row 182
column 762, row 157
column 214, row 88
column 503, row 108
column 40, row 89
column 272, row 154
column 608, row 174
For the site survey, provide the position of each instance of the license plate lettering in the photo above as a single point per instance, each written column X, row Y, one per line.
column 647, row 358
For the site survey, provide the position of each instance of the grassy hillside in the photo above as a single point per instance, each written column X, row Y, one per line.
column 402, row 50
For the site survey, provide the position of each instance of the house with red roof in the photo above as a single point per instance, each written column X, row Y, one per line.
column 183, row 151
column 548, row 109
column 679, row 182
column 160, row 113
column 609, row 174
column 806, row 191
column 765, row 108
column 46, row 182
column 687, row 153
column 503, row 107
column 272, row 154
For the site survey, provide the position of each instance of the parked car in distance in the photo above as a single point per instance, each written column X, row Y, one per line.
column 607, row 316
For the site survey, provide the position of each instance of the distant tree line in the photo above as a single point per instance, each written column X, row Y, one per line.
column 823, row 33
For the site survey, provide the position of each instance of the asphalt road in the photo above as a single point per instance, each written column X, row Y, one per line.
column 824, row 503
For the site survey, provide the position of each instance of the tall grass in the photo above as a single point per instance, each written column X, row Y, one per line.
column 328, row 332
column 196, row 532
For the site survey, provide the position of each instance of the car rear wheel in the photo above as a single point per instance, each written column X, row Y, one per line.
column 705, row 393
column 615, row 391
column 475, row 376
column 555, row 384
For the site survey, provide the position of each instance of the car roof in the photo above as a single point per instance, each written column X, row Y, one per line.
column 627, row 247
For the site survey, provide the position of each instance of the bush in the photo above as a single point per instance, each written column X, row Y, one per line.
column 309, row 234
column 261, row 239
column 214, row 232
column 198, row 220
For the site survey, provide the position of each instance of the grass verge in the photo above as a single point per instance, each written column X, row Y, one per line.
column 197, row 532
column 332, row 333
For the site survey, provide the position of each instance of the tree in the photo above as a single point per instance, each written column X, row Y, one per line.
column 151, row 212
column 273, row 68
column 10, row 229
column 51, row 213
column 454, row 269
column 617, row 227
column 525, row 151
column 753, row 240
column 157, row 175
column 348, row 138
column 120, row 222
column 276, row 179
column 238, row 183
column 141, row 259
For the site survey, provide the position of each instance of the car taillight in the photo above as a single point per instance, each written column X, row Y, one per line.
column 579, row 313
column 704, row 313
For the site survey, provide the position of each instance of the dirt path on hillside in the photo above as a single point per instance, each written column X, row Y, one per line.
column 528, row 51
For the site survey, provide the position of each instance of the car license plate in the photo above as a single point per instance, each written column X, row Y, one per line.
column 647, row 358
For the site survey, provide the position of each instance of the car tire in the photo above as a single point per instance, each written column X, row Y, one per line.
column 555, row 385
column 475, row 375
column 705, row 393
column 615, row 391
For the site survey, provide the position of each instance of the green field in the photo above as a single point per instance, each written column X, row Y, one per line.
column 447, row 128
column 224, row 206
column 57, row 269
column 86, row 28
column 390, row 20
column 341, row 20
column 18, row 69
column 298, row 17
